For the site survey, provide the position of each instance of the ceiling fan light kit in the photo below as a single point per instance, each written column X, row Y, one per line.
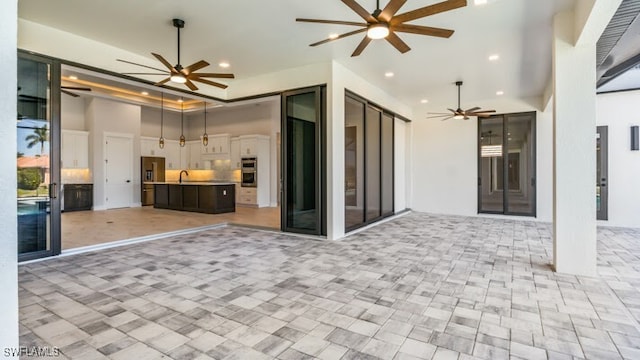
column 378, row 31
column 384, row 23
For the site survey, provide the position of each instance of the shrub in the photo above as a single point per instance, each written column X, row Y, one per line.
column 29, row 178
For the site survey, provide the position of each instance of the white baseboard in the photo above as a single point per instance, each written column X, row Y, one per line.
column 99, row 208
column 138, row 204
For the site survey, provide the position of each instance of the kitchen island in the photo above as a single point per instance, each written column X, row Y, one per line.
column 204, row 197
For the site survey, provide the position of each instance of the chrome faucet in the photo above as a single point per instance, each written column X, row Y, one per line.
column 181, row 172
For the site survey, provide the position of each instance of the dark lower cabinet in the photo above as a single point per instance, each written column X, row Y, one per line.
column 78, row 197
column 212, row 199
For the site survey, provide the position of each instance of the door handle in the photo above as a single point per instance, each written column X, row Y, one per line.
column 53, row 191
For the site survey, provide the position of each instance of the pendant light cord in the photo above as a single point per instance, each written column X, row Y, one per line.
column 205, row 117
column 161, row 115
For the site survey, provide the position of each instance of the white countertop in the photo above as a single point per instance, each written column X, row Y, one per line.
column 203, row 183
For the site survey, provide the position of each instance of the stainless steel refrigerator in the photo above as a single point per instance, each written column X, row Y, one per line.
column 152, row 172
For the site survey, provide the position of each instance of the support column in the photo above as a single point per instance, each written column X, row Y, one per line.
column 574, row 151
column 8, row 209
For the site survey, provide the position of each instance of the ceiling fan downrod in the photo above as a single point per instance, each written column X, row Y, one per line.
column 459, row 84
column 179, row 24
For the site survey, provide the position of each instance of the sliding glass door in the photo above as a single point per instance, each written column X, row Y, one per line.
column 38, row 157
column 506, row 164
column 303, row 205
column 369, row 171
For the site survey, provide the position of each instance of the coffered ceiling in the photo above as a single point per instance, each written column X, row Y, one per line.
column 258, row 37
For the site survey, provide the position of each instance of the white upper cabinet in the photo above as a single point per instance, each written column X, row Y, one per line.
column 75, row 149
column 172, row 152
column 218, row 144
column 195, row 160
column 235, row 153
column 150, row 147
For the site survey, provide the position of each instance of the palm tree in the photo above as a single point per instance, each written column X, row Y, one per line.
column 39, row 136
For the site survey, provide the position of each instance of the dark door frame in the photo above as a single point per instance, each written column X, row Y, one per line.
column 603, row 213
column 321, row 173
column 55, row 245
column 505, row 165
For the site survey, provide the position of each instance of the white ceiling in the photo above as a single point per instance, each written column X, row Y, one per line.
column 259, row 37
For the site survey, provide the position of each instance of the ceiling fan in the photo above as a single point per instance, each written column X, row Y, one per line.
column 383, row 24
column 66, row 90
column 178, row 73
column 459, row 114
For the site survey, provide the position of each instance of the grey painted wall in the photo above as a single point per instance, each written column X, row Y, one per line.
column 241, row 120
column 72, row 112
column 150, row 123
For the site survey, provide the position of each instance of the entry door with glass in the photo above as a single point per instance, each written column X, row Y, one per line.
column 602, row 190
column 38, row 157
column 303, row 205
column 506, row 164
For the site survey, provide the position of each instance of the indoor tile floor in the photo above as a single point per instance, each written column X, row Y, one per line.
column 83, row 228
column 417, row 287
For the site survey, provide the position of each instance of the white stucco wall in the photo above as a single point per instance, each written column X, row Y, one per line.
column 617, row 111
column 8, row 216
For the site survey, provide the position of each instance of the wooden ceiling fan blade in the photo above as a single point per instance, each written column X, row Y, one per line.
column 194, row 67
column 165, row 74
column 394, row 40
column 212, row 83
column 69, row 93
column 391, row 9
column 213, row 75
column 472, row 109
column 191, row 85
column 423, row 30
column 162, row 82
column 453, row 111
column 363, row 44
column 75, row 88
column 336, row 22
column 428, row 10
column 338, row 37
column 360, row 11
column 438, row 116
column 447, row 118
column 165, row 62
column 148, row 67
column 483, row 111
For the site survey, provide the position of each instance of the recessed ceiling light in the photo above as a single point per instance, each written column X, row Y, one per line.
column 180, row 100
column 479, row 2
column 144, row 93
column 389, row 74
column 333, row 36
column 494, row 57
column 73, row 77
column 500, row 93
column 424, row 101
column 224, row 64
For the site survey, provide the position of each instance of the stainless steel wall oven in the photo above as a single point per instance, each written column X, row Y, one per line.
column 249, row 172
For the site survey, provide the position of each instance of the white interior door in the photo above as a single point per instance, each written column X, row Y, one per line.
column 118, row 171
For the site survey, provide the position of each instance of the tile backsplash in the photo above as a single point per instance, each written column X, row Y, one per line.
column 76, row 176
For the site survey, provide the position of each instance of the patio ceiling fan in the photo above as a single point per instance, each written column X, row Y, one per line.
column 460, row 114
column 178, row 73
column 383, row 24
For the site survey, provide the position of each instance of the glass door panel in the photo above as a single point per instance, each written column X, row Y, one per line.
column 372, row 155
column 506, row 183
column 491, row 166
column 520, row 166
column 302, row 209
column 387, row 164
column 354, row 163
column 37, row 158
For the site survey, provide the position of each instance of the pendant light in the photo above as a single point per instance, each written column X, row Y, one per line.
column 205, row 137
column 161, row 140
column 183, row 141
